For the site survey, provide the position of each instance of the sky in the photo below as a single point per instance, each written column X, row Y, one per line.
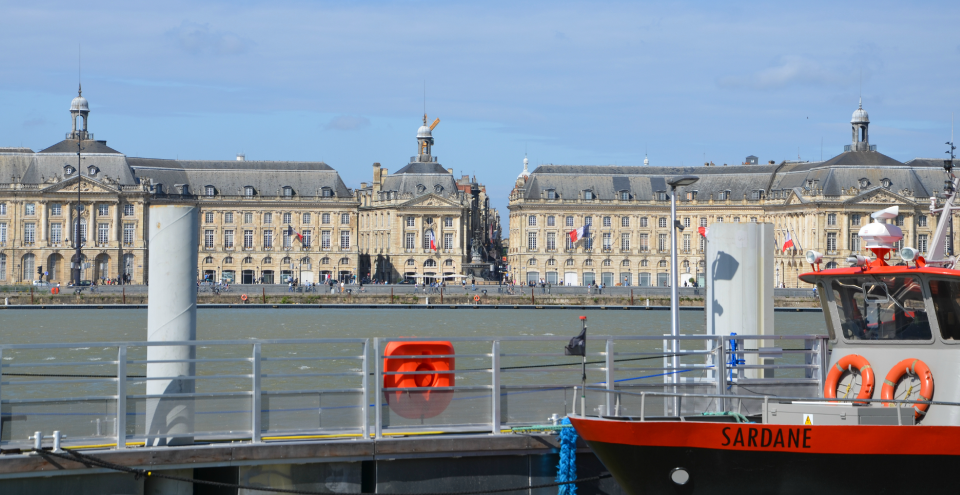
column 586, row 83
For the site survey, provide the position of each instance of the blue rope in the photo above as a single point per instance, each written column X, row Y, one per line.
column 567, row 469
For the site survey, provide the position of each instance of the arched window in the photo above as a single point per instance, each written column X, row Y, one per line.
column 429, row 263
column 411, row 262
column 344, row 261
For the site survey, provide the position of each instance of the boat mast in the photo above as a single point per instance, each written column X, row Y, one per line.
column 937, row 251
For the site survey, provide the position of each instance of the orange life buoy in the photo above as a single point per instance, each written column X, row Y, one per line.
column 915, row 367
column 412, row 403
column 476, row 298
column 55, row 290
column 243, row 298
column 844, row 364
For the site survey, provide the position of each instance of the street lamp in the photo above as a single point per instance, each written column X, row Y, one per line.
column 674, row 183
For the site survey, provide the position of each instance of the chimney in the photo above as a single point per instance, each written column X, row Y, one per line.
column 450, row 171
column 376, row 177
column 363, row 185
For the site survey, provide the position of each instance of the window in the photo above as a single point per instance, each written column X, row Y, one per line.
column 753, row 219
column 448, row 241
column 409, row 241
column 3, row 234
column 248, row 239
column 922, row 243
column 128, row 234
column 268, row 218
column 569, row 242
column 588, row 243
column 103, row 233
column 83, row 231
column 886, row 308
column 607, row 262
column 411, row 221
column 531, row 241
column 228, row 217
column 588, row 263
column 569, row 221
column 719, row 219
column 411, row 262
column 588, row 194
column 551, row 241
column 532, row 221
column 228, row 239
column 607, row 241
column 208, row 239
column 831, row 242
column 29, row 209
column 209, row 190
column 643, row 221
column 855, row 219
column 831, row 218
column 899, row 220
column 607, row 222
column 305, row 218
column 228, row 260
column 325, row 239
column 686, row 223
column 644, row 263
column 448, row 221
column 661, row 195
column 644, row 242
column 736, row 219
column 624, row 221
column 624, row 242
column 29, row 233
column 426, row 239
column 551, row 194
column 344, row 219
column 103, row 209
column 569, row 262
column 686, row 243
column 325, row 218
column 588, row 220
column 326, row 192
column 703, row 221
column 921, row 220
column 286, row 238
column 55, row 209
column 287, row 218
column 532, row 262
column 208, row 217
column 248, row 217
column 854, row 242
column 56, row 233
column 624, row 196
column 248, row 191
column 662, row 263
column 662, row 222
column 287, row 192
column 268, row 239
column 551, row 221
column 3, row 208
column 662, row 242
column 307, row 238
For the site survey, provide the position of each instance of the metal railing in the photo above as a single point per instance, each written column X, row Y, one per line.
column 272, row 390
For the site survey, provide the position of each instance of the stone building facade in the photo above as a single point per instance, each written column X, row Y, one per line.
column 260, row 221
column 820, row 204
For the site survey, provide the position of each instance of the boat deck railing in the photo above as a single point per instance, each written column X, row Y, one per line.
column 266, row 390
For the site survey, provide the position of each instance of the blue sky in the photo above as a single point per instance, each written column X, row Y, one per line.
column 566, row 82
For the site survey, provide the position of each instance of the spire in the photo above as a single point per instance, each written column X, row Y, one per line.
column 526, row 172
column 79, row 89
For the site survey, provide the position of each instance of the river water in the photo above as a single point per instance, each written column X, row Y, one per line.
column 294, row 373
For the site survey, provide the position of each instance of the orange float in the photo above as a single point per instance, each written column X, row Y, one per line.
column 243, row 298
column 418, row 401
column 55, row 290
column 914, row 367
column 847, row 363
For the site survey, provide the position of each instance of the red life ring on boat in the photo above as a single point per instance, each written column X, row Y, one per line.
column 243, row 298
column 915, row 367
column 55, row 290
column 844, row 364
column 412, row 403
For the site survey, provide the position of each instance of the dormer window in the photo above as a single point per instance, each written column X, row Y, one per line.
column 92, row 170
column 588, row 194
column 158, row 188
column 184, row 189
column 438, row 189
column 248, row 191
column 886, row 183
column 624, row 195
column 287, row 192
column 864, row 183
column 210, row 190
column 421, row 188
column 661, row 195
column 551, row 194
column 68, row 170
column 326, row 192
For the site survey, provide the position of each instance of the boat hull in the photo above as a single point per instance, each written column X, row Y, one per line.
column 723, row 458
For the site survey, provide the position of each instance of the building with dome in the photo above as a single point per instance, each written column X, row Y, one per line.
column 821, row 205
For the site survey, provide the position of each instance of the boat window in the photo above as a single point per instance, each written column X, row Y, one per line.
column 881, row 308
column 946, row 303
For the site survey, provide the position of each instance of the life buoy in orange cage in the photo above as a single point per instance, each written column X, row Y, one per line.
column 848, row 363
column 913, row 367
column 55, row 290
column 418, row 399
column 243, row 298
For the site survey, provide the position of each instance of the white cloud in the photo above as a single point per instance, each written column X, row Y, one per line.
column 790, row 71
column 200, row 39
column 347, row 123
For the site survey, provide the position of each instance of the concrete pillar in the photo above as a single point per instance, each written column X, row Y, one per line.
column 171, row 316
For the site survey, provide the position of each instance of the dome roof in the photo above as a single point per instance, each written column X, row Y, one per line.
column 860, row 115
column 424, row 132
column 79, row 104
column 525, row 173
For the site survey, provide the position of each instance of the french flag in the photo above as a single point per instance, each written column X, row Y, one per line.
column 291, row 233
column 433, row 240
column 788, row 244
column 581, row 233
